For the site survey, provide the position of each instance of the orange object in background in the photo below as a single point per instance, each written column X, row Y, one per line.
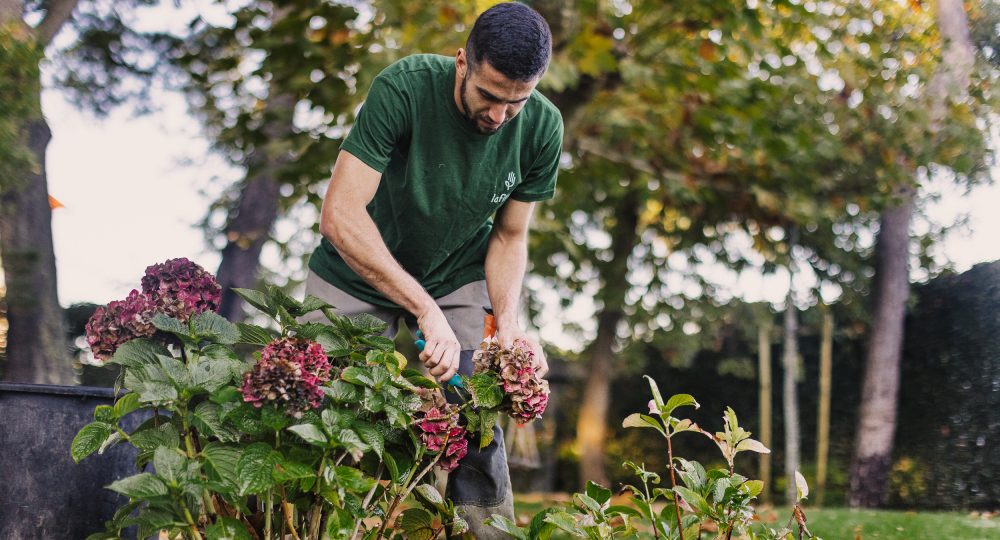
column 489, row 326
column 54, row 203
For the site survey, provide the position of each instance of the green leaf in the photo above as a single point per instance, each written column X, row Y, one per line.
column 487, row 419
column 678, row 400
column 288, row 470
column 371, row 436
column 417, row 524
column 566, row 522
column 273, row 416
column 486, row 391
column 418, row 379
column 801, row 487
column 585, row 502
column 211, row 375
column 138, row 352
column 754, row 487
column 310, row 433
column 206, row 416
column 694, row 499
column 506, row 525
column 126, row 404
column 256, row 299
column 369, row 324
column 598, row 492
column 223, row 460
column 312, row 303
column 105, row 413
column 157, row 392
column 255, row 467
column 149, row 439
column 227, row 528
column 432, row 496
column 343, row 392
column 171, row 325
column 357, row 375
column 353, row 479
column 140, row 486
column 89, row 439
column 637, row 420
column 333, row 344
column 209, row 324
column 254, row 335
column 379, row 343
column 753, row 446
column 657, row 398
column 169, row 464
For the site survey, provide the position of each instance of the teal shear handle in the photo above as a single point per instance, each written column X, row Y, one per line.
column 455, row 380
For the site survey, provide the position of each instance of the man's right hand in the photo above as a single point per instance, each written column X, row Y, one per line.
column 441, row 351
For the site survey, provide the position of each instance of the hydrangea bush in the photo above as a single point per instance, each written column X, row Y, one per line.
column 310, row 431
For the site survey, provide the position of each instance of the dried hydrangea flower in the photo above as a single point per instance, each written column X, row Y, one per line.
column 290, row 373
column 525, row 393
column 440, row 432
column 181, row 288
column 121, row 320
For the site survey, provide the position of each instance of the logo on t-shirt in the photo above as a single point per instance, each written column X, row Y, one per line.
column 511, row 180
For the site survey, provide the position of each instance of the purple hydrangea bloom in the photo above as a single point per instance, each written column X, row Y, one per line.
column 181, row 288
column 121, row 320
column 525, row 393
column 291, row 372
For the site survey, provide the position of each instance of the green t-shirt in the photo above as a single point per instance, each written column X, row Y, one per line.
column 442, row 181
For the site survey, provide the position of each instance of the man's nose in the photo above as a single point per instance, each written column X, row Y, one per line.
column 498, row 113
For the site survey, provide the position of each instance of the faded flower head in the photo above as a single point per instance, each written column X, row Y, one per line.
column 290, row 372
column 440, row 432
column 525, row 393
column 121, row 320
column 181, row 288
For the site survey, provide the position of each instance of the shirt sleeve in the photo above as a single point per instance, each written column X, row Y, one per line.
column 381, row 122
column 540, row 182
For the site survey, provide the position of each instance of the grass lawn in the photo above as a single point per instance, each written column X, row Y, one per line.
column 841, row 523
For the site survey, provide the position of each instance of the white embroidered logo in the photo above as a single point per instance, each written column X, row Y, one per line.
column 509, row 183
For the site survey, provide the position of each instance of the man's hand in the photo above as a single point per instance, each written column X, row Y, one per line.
column 441, row 351
column 509, row 334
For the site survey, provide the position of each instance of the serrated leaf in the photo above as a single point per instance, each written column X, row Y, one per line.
column 140, row 486
column 287, row 470
column 357, row 375
column 227, row 528
column 431, row 495
column 312, row 303
column 157, row 392
column 89, row 439
column 487, row 420
column 333, row 344
column 353, row 479
column 254, row 468
column 209, row 324
column 379, row 343
column 206, row 415
column 169, row 464
column 310, row 433
column 371, row 436
column 343, row 392
column 254, row 335
column 150, row 439
column 138, row 352
column 223, row 460
column 256, row 299
column 418, row 379
column 211, row 375
column 486, row 391
column 171, row 325
column 368, row 324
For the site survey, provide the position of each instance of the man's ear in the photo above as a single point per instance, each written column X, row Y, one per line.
column 461, row 63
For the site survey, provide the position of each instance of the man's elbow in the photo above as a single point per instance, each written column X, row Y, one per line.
column 331, row 226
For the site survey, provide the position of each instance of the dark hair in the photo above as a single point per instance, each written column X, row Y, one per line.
column 513, row 38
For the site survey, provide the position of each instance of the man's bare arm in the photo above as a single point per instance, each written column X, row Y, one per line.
column 345, row 222
column 506, row 261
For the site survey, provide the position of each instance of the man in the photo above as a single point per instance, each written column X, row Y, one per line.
column 440, row 146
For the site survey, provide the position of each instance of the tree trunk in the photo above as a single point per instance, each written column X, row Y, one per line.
column 764, row 404
column 877, row 413
column 790, row 395
column 823, row 423
column 591, row 427
column 250, row 223
column 37, row 350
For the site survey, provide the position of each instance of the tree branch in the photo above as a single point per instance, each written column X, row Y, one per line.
column 59, row 12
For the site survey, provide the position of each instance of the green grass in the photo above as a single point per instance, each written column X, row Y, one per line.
column 842, row 523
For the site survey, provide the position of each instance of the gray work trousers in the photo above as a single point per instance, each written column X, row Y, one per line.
column 480, row 486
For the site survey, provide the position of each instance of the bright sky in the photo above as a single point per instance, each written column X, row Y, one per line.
column 131, row 202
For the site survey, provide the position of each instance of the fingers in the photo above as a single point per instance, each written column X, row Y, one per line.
column 441, row 358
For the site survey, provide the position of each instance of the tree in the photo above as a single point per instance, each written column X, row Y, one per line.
column 36, row 350
column 877, row 415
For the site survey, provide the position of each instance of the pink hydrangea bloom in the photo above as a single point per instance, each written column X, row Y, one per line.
column 440, row 432
column 121, row 320
column 291, row 372
column 181, row 288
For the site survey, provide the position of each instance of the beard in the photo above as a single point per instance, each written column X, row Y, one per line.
column 477, row 121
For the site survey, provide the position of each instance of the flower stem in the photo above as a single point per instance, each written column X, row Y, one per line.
column 673, row 484
column 191, row 524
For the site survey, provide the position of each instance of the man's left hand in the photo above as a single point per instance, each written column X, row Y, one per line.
column 507, row 337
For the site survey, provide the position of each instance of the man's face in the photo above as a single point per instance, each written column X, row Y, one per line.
column 489, row 99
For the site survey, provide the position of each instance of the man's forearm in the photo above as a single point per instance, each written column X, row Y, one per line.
column 506, row 261
column 359, row 243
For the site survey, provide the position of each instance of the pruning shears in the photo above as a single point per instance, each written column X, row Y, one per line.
column 455, row 380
